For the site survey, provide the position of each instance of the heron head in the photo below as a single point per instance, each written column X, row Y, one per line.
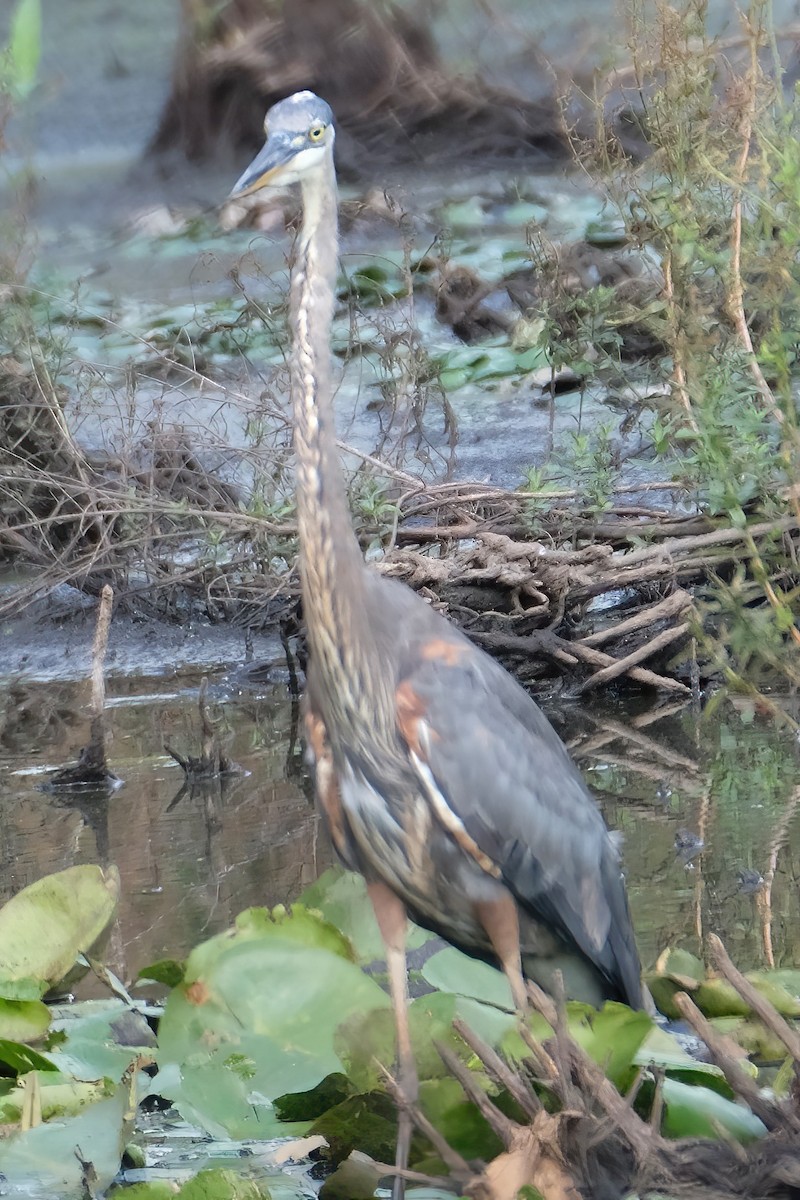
column 300, row 137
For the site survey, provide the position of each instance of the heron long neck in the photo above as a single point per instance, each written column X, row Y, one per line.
column 331, row 564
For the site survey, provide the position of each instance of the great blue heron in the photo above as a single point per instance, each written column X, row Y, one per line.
column 440, row 779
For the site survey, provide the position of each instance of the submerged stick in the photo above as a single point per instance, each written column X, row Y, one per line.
column 91, row 769
column 212, row 761
column 746, row 1088
column 623, row 665
column 759, row 1004
column 458, row 1166
column 99, row 648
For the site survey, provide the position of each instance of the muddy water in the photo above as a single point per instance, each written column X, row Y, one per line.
column 190, row 859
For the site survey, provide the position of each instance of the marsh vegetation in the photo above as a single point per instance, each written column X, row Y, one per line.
column 566, row 341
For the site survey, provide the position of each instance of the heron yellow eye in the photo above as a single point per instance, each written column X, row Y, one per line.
column 316, row 133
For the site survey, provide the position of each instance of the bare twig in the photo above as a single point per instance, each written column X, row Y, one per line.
column 672, row 606
column 458, row 1166
column 745, row 1087
column 752, row 997
column 499, row 1070
column 623, row 665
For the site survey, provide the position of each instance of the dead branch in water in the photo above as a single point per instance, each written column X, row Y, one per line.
column 92, row 769
column 598, row 597
column 212, row 760
column 599, row 1143
column 520, row 597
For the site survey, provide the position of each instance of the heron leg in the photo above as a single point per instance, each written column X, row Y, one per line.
column 390, row 912
column 500, row 919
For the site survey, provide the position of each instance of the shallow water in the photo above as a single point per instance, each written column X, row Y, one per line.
column 190, row 859
column 189, row 864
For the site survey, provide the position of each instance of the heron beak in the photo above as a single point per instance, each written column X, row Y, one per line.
column 267, row 166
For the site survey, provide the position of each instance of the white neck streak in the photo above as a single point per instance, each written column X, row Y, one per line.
column 345, row 656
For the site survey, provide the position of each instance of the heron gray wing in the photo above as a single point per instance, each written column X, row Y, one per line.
column 507, row 777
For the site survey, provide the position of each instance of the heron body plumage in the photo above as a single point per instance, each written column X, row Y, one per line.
column 440, row 779
column 472, row 795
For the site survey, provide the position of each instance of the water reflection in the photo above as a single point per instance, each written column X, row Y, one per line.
column 707, row 806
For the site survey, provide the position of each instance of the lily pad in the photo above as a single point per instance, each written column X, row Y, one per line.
column 354, row 1179
column 682, row 967
column 365, row 1042
column 613, row 1037
column 782, row 997
column 20, row 1058
column 341, row 896
column 753, row 1037
column 444, row 1104
column 451, row 971
column 168, row 971
column 664, row 991
column 154, row 1189
column 256, row 1017
column 700, row 1112
column 41, row 1163
column 60, row 1096
column 717, row 998
column 661, row 1049
column 101, row 1040
column 46, row 926
column 23, row 1020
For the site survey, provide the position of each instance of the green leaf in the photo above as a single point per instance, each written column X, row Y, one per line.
column 490, row 1023
column 612, row 1037
column 60, row 1096
column 753, row 1037
column 363, row 1042
column 341, row 896
column 664, row 991
column 444, row 1104
column 168, row 971
column 525, row 211
column 256, row 1018
column 464, row 213
column 355, row 1179
column 784, row 999
column 451, row 381
column 717, row 998
column 532, row 359
column 41, row 1163
column 102, row 1039
column 20, row 1058
column 20, row 989
column 48, row 924
column 699, row 1112
column 25, row 45
column 298, row 925
column 681, row 967
column 156, row 1189
column 342, row 899
column 785, row 977
column 661, row 1049
column 23, row 1020
column 451, row 971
